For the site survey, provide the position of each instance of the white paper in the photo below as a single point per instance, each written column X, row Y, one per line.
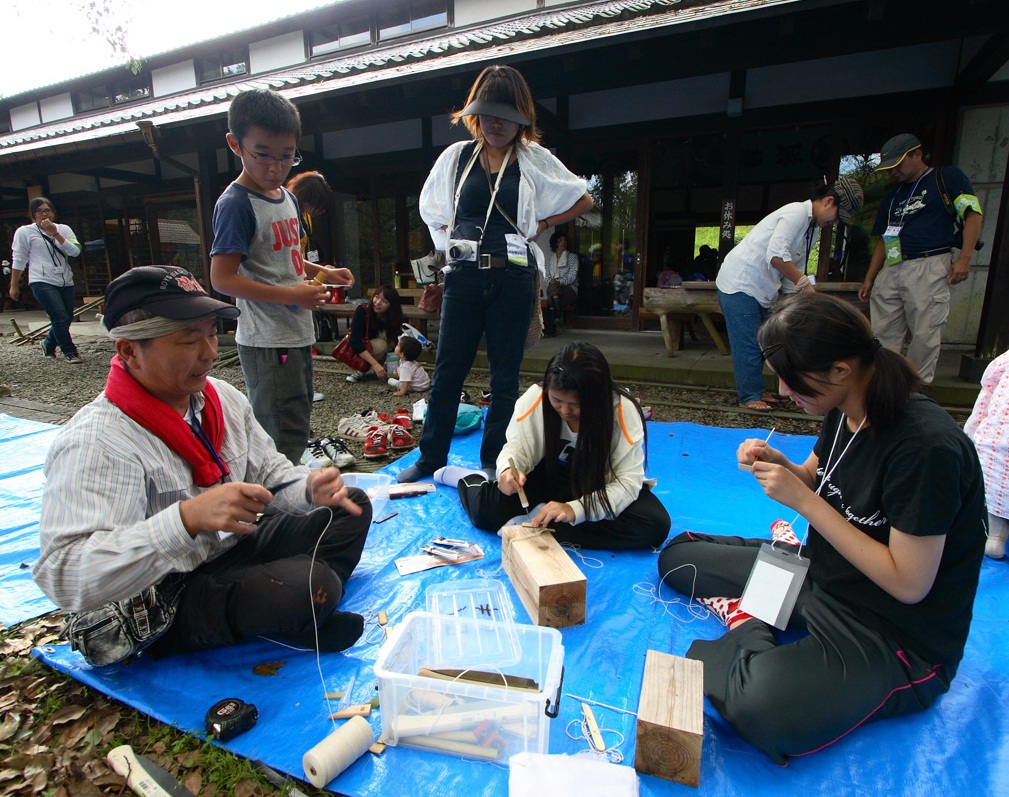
column 766, row 591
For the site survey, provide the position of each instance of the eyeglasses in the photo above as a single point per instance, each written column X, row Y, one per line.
column 47, row 211
column 268, row 160
column 770, row 351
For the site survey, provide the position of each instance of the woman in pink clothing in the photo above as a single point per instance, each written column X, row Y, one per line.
column 988, row 427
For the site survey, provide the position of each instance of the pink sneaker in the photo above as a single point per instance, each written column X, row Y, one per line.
column 726, row 610
column 781, row 531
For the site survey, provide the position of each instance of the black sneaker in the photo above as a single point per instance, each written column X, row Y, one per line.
column 73, row 359
column 485, row 397
column 464, row 398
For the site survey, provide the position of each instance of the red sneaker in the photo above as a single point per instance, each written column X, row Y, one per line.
column 376, row 445
column 400, row 438
column 402, row 418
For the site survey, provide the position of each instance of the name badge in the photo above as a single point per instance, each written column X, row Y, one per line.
column 518, row 249
column 773, row 585
column 892, row 231
column 891, row 250
column 312, row 255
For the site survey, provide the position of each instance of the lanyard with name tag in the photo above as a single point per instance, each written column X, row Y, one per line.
column 773, row 586
column 777, row 575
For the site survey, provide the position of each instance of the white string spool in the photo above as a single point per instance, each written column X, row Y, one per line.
column 337, row 751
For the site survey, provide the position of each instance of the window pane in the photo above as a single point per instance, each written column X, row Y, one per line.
column 429, row 14
column 209, row 70
column 355, row 31
column 394, row 22
column 91, row 99
column 131, row 90
column 233, row 69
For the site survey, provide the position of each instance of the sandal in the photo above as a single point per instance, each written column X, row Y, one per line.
column 757, row 406
column 770, row 398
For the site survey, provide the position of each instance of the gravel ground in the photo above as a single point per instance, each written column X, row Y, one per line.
column 32, row 377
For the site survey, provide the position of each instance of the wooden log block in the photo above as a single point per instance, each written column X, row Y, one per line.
column 670, row 724
column 550, row 585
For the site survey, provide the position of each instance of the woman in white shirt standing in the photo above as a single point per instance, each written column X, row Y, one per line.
column 47, row 247
column 750, row 278
column 484, row 201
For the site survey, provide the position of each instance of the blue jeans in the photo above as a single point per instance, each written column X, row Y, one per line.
column 58, row 302
column 743, row 317
column 495, row 302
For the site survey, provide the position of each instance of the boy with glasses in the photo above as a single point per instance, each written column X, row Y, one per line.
column 257, row 258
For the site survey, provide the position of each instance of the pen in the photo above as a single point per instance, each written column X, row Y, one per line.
column 522, row 493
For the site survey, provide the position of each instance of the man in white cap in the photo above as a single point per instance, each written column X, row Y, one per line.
column 912, row 266
column 169, row 519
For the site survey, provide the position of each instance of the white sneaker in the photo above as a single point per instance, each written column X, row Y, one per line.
column 317, row 397
column 315, row 457
column 337, row 451
column 354, row 428
column 357, row 376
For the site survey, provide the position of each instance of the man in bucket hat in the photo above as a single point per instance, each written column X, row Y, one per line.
column 912, row 266
column 169, row 519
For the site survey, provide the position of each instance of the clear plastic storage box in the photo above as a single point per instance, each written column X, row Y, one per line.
column 478, row 689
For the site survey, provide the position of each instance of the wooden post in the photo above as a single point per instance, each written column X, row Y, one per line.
column 549, row 584
column 671, row 719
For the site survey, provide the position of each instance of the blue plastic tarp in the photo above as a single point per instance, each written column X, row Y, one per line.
column 960, row 746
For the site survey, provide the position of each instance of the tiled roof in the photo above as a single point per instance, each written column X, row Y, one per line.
column 528, row 33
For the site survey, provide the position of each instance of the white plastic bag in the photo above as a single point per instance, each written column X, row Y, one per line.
column 536, row 774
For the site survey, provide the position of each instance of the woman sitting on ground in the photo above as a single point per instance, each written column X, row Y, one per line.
column 578, row 444
column 894, row 500
column 379, row 323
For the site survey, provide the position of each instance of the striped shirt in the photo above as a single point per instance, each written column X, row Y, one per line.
column 111, row 525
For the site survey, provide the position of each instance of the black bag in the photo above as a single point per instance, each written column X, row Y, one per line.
column 951, row 211
column 120, row 630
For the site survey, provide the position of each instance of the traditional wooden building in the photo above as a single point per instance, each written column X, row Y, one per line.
column 691, row 119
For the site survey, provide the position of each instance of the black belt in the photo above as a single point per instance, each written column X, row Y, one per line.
column 483, row 262
column 928, row 253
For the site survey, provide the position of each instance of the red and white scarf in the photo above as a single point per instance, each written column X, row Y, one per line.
column 158, row 418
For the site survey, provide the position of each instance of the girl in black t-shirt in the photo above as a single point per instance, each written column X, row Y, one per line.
column 894, row 498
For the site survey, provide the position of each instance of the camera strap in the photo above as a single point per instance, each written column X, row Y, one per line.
column 494, row 189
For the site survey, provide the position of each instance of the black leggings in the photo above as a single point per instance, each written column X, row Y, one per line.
column 644, row 524
column 261, row 586
column 794, row 698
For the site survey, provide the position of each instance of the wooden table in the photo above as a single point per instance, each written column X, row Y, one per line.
column 674, row 306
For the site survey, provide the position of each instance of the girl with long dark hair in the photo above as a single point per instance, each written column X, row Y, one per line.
column 578, row 447
column 894, row 501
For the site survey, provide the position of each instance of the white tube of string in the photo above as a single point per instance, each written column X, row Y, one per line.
column 337, row 751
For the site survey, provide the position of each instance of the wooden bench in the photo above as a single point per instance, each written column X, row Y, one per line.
column 676, row 306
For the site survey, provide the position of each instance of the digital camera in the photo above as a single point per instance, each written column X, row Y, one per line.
column 461, row 250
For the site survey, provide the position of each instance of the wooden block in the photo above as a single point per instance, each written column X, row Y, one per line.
column 670, row 724
column 549, row 584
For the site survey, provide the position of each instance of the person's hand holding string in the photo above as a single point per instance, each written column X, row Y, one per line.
column 233, row 507
column 325, row 487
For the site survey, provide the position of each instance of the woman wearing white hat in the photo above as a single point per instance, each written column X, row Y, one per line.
column 484, row 202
